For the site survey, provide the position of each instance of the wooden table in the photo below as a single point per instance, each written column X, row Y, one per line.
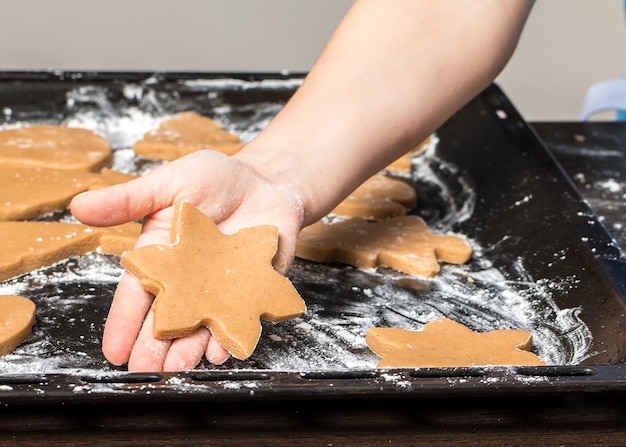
column 594, row 155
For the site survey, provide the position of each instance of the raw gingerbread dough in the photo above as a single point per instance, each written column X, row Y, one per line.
column 184, row 133
column 17, row 316
column 379, row 197
column 206, row 278
column 109, row 177
column 117, row 239
column 404, row 163
column 28, row 193
column 445, row 343
column 28, row 246
column 402, row 243
column 54, row 147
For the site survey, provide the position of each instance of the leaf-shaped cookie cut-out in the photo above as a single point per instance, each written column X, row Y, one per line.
column 206, row 278
column 444, row 343
column 403, row 243
column 184, row 133
column 17, row 316
column 379, row 197
column 54, row 147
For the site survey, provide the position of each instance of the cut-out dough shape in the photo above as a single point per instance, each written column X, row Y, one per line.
column 444, row 343
column 28, row 246
column 379, row 197
column 28, row 193
column 184, row 133
column 117, row 239
column 54, row 147
column 404, row 163
column 109, row 177
column 402, row 243
column 17, row 317
column 206, row 278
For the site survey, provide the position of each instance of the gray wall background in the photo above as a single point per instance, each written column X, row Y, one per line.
column 566, row 46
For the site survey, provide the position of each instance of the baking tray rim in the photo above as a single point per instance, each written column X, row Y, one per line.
column 59, row 387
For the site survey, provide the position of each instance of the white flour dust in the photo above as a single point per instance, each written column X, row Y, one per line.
column 343, row 302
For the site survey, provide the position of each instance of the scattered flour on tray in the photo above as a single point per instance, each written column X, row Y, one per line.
column 343, row 302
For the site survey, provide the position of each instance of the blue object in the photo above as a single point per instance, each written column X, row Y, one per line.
column 606, row 96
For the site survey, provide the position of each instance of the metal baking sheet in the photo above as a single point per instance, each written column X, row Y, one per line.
column 543, row 261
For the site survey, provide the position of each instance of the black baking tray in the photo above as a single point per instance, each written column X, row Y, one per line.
column 543, row 261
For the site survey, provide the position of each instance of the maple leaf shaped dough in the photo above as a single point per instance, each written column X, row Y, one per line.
column 379, row 197
column 445, row 343
column 402, row 243
column 224, row 282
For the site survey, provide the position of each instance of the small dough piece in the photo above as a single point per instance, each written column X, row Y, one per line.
column 54, row 147
column 17, row 317
column 402, row 243
column 109, row 177
column 184, row 133
column 404, row 163
column 117, row 239
column 444, row 343
column 28, row 246
column 28, row 193
column 206, row 278
column 379, row 197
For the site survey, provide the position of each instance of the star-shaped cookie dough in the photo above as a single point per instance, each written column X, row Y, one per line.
column 403, row 243
column 206, row 278
column 444, row 343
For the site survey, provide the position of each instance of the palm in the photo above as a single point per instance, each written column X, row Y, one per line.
column 229, row 193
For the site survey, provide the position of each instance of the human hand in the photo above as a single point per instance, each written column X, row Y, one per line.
column 232, row 194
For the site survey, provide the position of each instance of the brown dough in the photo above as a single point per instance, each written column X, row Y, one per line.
column 117, row 239
column 184, row 133
column 404, row 163
column 379, row 197
column 27, row 193
column 54, row 147
column 206, row 278
column 17, row 316
column 28, row 246
column 445, row 343
column 109, row 177
column 402, row 243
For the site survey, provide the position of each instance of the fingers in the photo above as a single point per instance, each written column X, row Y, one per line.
column 148, row 354
column 185, row 353
column 126, row 317
column 151, row 354
column 215, row 353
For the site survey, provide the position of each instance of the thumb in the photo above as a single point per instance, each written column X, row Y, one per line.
column 124, row 202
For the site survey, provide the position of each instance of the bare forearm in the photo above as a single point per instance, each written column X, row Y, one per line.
column 393, row 72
